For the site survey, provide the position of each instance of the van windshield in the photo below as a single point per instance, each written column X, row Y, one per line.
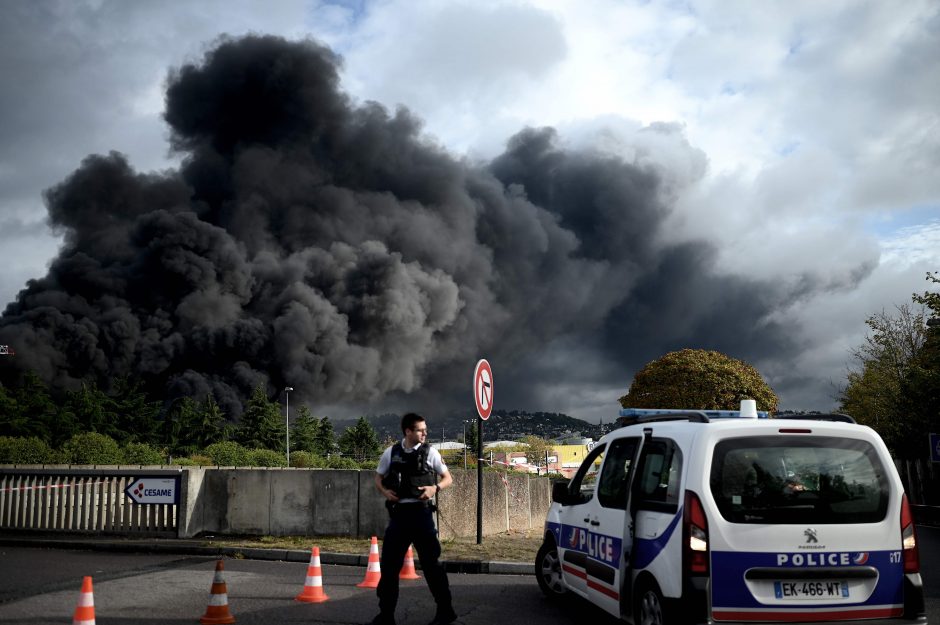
column 813, row 479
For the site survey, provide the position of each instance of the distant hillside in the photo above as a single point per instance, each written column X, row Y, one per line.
column 502, row 425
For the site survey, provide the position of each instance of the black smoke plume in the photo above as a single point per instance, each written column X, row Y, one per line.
column 310, row 241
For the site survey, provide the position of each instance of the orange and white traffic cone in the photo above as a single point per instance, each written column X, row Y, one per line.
column 217, row 611
column 408, row 568
column 313, row 585
column 85, row 609
column 374, row 571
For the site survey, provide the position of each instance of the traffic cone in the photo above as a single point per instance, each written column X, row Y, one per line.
column 85, row 609
column 313, row 585
column 217, row 611
column 374, row 571
column 408, row 568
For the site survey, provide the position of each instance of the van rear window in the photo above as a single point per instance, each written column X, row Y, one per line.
column 812, row 479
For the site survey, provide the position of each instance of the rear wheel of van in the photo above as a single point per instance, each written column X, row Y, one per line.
column 548, row 571
column 648, row 604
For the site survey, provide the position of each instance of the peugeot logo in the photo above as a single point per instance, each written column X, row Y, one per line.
column 810, row 534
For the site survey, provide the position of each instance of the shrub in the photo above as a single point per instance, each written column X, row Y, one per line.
column 92, row 448
column 341, row 462
column 142, row 453
column 266, row 458
column 201, row 460
column 20, row 450
column 183, row 462
column 307, row 460
column 227, row 454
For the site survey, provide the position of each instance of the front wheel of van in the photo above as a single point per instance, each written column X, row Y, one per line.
column 649, row 605
column 548, row 571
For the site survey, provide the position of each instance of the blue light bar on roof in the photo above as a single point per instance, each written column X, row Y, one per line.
column 711, row 414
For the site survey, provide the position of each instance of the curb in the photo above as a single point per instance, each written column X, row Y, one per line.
column 253, row 553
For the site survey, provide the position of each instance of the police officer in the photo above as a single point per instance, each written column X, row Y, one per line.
column 407, row 477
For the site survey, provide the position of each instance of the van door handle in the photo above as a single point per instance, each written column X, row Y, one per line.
column 595, row 522
column 586, row 519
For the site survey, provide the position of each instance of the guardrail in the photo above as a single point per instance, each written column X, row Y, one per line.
column 86, row 500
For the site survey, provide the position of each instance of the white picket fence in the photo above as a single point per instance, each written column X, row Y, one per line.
column 91, row 500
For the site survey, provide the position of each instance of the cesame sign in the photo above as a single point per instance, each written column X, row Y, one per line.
column 154, row 490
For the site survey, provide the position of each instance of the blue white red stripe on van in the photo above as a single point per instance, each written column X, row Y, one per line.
column 792, row 615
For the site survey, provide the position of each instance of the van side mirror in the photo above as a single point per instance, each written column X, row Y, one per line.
column 560, row 493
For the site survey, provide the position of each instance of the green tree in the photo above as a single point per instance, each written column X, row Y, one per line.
column 324, row 440
column 359, row 441
column 93, row 411
column 882, row 388
column 92, row 448
column 261, row 424
column 30, row 411
column 698, row 379
column 198, row 425
column 303, row 431
column 137, row 415
column 181, row 425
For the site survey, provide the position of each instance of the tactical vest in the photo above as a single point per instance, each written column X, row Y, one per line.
column 408, row 471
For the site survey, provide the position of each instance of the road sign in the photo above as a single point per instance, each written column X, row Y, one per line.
column 151, row 490
column 483, row 388
column 934, row 447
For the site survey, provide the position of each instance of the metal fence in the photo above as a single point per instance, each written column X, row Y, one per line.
column 90, row 500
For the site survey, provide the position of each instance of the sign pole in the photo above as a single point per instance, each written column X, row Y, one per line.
column 483, row 399
column 479, row 480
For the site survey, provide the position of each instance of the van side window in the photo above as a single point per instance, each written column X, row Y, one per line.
column 661, row 472
column 615, row 474
column 585, row 479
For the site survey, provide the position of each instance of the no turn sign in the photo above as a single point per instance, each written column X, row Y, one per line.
column 483, row 388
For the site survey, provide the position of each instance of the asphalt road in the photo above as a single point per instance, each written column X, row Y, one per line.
column 41, row 586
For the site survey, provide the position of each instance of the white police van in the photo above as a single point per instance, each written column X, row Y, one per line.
column 732, row 517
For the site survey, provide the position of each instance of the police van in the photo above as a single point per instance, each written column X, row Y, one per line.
column 734, row 517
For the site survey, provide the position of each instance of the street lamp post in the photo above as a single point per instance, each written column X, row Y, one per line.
column 287, row 390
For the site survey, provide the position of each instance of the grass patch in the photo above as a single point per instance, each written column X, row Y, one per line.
column 515, row 546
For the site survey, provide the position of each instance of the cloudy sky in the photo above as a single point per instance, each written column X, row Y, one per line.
column 798, row 142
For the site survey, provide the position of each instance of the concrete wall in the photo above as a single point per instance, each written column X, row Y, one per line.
column 325, row 502
column 281, row 502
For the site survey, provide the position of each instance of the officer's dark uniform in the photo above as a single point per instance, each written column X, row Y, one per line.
column 411, row 523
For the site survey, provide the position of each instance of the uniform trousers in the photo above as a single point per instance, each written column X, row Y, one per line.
column 412, row 524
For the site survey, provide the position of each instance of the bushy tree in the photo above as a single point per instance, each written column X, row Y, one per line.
column 227, row 454
column 93, row 410
column 698, row 379
column 30, row 411
column 137, row 415
column 894, row 385
column 25, row 450
column 324, row 439
column 92, row 448
column 303, row 431
column 142, row 453
column 306, row 460
column 266, row 458
column 261, row 424
column 359, row 441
